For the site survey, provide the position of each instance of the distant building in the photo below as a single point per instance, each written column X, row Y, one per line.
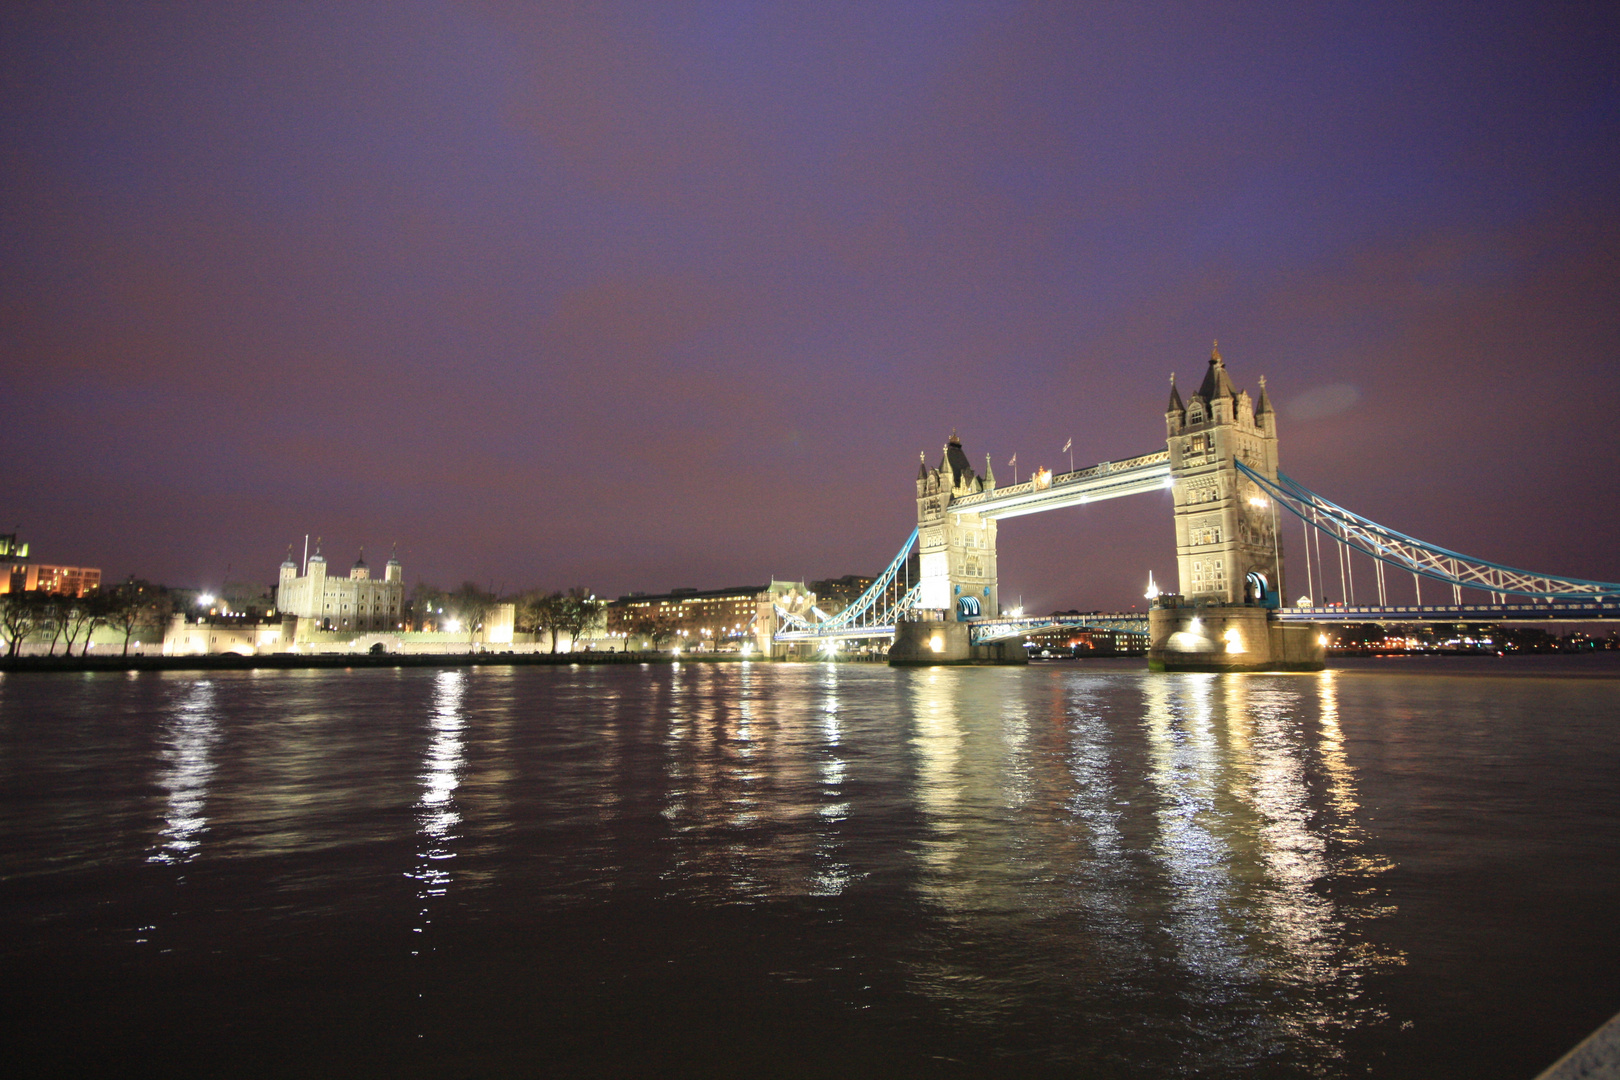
column 1087, row 641
column 17, row 574
column 358, row 602
column 710, row 618
column 835, row 594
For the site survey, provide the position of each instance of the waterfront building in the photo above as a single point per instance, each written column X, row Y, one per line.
column 835, row 594
column 358, row 602
column 18, row 574
column 1089, row 641
column 711, row 618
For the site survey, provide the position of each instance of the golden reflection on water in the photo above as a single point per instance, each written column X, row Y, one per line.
column 188, row 766
column 1209, row 839
column 742, row 795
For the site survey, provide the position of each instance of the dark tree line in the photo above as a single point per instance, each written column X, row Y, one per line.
column 127, row 608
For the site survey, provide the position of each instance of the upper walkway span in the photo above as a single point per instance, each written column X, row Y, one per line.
column 1045, row 491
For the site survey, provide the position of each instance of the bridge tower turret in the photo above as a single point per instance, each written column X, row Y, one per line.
column 1227, row 544
column 957, row 550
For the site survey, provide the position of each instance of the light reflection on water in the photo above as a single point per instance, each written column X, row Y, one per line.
column 188, row 766
column 1088, row 869
column 436, row 812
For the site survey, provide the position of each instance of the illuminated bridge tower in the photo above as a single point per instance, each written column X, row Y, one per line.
column 1227, row 544
column 956, row 551
column 1228, row 548
column 956, row 569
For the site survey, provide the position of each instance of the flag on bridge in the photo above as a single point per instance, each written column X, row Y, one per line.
column 1066, row 446
column 1013, row 462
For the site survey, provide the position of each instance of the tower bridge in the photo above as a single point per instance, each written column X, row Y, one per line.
column 1220, row 465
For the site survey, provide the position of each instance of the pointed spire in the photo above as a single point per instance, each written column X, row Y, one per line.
column 989, row 472
column 1217, row 383
column 393, row 554
column 922, row 466
column 1265, row 400
column 289, row 560
column 317, row 556
column 1175, row 397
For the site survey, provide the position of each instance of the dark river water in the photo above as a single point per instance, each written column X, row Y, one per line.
column 1401, row 869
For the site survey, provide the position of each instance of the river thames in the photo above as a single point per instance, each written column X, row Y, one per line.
column 1405, row 868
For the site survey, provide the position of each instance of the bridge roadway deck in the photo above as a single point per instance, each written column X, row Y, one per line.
column 1105, row 480
column 1562, row 611
column 986, row 630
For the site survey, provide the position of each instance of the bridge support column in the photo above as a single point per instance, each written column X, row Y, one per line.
column 932, row 642
column 1230, row 638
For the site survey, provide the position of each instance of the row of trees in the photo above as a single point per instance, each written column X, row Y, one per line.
column 128, row 607
column 574, row 614
column 466, row 609
column 557, row 613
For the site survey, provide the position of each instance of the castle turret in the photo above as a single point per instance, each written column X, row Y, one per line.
column 1175, row 414
column 360, row 571
column 1265, row 418
column 393, row 573
column 317, row 581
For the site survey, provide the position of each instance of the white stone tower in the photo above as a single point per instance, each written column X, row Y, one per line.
column 957, row 551
column 1227, row 542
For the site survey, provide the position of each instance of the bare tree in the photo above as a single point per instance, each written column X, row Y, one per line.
column 20, row 615
column 656, row 628
column 135, row 604
column 81, row 615
column 472, row 606
column 578, row 610
column 537, row 612
column 52, row 614
column 547, row 613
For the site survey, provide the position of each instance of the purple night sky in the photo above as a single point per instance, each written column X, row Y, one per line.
column 647, row 295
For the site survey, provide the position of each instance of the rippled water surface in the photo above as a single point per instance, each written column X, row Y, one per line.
column 803, row 870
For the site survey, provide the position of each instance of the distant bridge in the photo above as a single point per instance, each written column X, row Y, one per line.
column 1220, row 466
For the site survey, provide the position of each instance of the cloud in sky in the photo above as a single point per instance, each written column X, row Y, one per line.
column 1322, row 401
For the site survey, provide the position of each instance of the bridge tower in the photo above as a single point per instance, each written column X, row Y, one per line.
column 1227, row 543
column 957, row 551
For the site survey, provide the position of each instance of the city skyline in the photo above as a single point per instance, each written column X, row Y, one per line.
column 644, row 299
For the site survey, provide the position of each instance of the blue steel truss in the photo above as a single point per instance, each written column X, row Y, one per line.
column 1418, row 557
column 871, row 615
